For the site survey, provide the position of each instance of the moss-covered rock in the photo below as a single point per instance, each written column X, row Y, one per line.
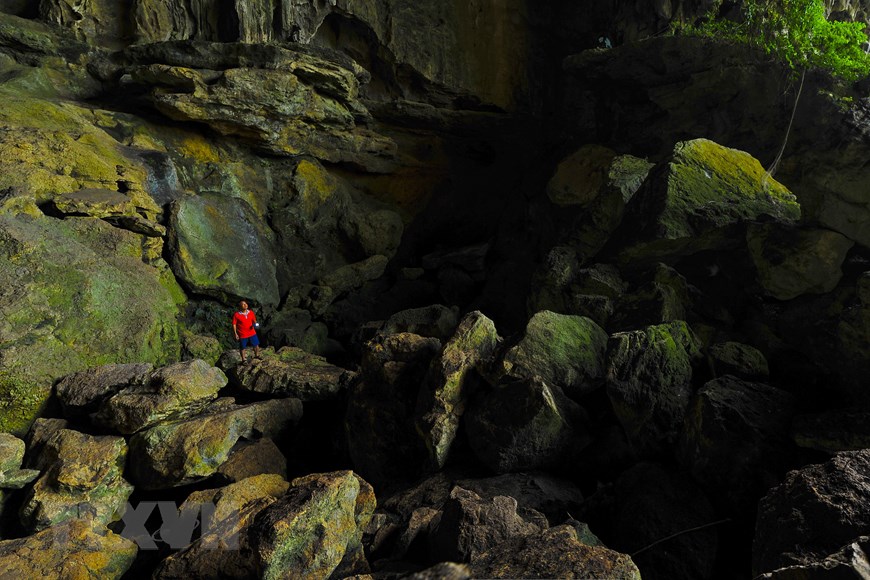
column 703, row 188
column 590, row 189
column 323, row 224
column 565, row 351
column 649, row 375
column 74, row 549
column 180, row 452
column 229, row 500
column 292, row 372
column 316, row 525
column 218, row 552
column 200, row 346
column 443, row 397
column 791, row 261
column 52, row 147
column 180, row 389
column 252, row 459
column 738, row 359
column 222, row 248
column 11, row 458
column 82, row 477
column 77, row 295
column 282, row 101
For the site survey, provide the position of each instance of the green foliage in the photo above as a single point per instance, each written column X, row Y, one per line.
column 798, row 33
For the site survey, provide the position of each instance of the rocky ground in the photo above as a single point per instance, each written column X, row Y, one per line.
column 531, row 308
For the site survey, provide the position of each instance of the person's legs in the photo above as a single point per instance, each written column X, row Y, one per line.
column 243, row 342
column 255, row 342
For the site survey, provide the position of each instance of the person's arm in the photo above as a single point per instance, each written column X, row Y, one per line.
column 236, row 327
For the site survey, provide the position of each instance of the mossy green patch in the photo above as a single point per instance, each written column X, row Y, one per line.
column 709, row 186
column 51, row 147
column 567, row 351
column 76, row 294
column 317, row 524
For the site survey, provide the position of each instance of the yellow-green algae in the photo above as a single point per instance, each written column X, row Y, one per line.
column 709, row 185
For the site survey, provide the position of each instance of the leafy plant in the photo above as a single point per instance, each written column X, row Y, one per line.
column 798, row 33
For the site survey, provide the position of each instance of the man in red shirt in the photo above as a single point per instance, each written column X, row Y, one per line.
column 244, row 325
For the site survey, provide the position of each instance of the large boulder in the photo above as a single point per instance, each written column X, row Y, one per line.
column 649, row 375
column 813, row 513
column 82, row 477
column 413, row 513
column 222, row 248
column 217, row 552
column 538, row 491
column 469, row 525
column 526, row 425
column 434, row 321
column 590, row 189
column 736, row 440
column 292, row 372
column 178, row 389
column 555, row 553
column 443, row 396
column 82, row 393
column 315, row 528
column 703, row 188
column 74, row 549
column 565, row 351
column 791, row 262
column 68, row 279
column 175, row 453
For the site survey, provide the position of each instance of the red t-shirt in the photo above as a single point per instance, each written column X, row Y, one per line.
column 244, row 324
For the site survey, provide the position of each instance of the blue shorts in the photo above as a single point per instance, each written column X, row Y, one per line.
column 252, row 340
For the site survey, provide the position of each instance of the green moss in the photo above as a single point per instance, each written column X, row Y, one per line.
column 51, row 147
column 21, row 402
column 313, row 542
column 75, row 303
column 711, row 186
